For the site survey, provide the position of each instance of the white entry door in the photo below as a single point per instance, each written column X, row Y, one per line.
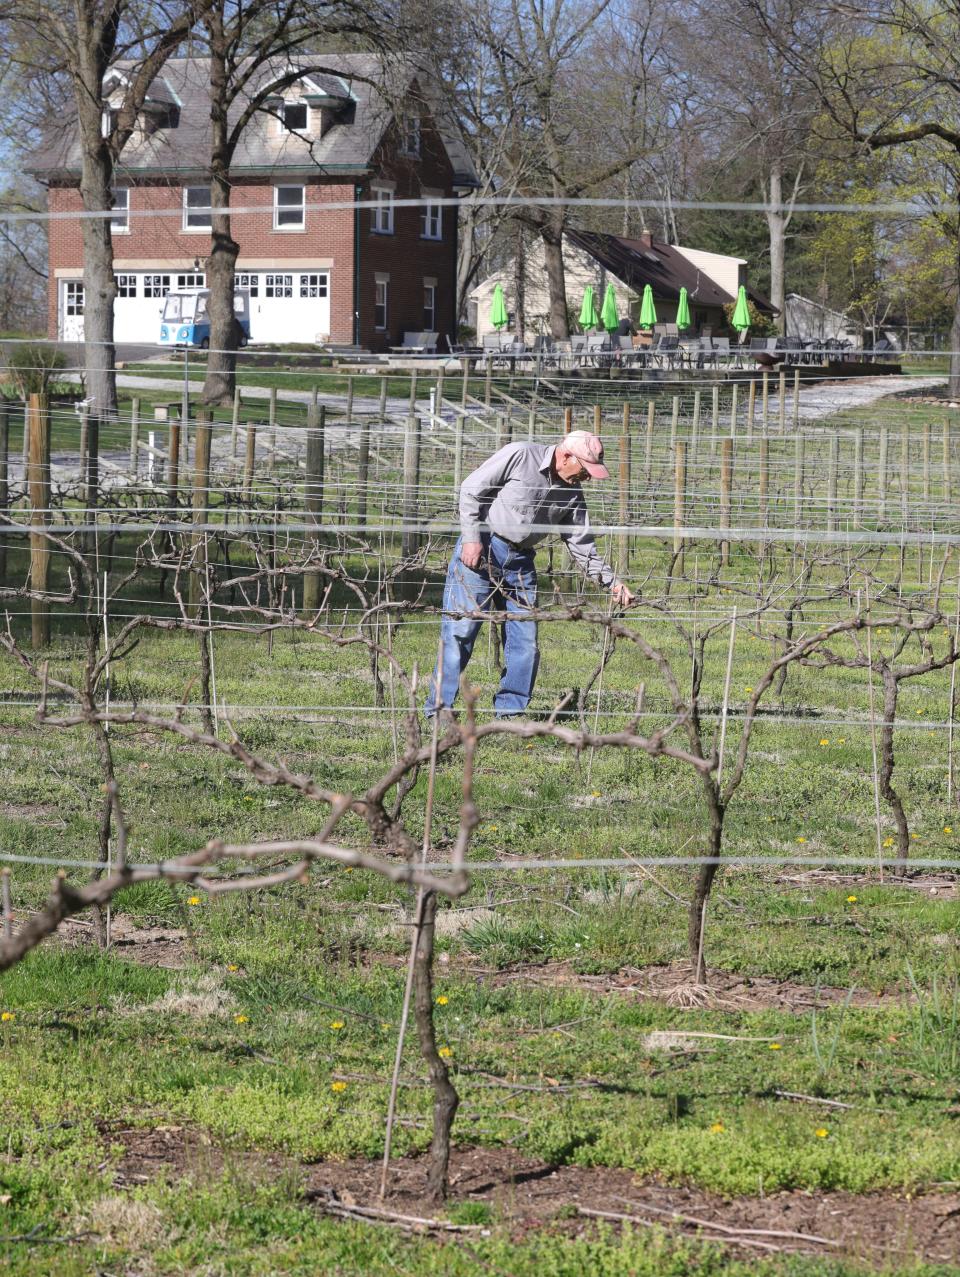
column 290, row 306
column 71, row 310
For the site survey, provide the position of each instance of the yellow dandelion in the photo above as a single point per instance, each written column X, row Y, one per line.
column 232, row 966
column 492, row 828
column 717, row 1128
column 824, row 741
column 445, row 1052
column 336, row 1024
column 349, row 869
column 776, row 1046
column 386, row 1027
column 338, row 1086
column 530, row 746
column 248, row 798
column 748, row 690
column 594, row 793
column 888, row 842
column 851, row 900
column 915, row 837
column 194, row 900
column 821, row 1132
column 8, row 1017
column 442, row 1000
column 801, row 840
column 842, row 740
column 919, row 712
column 240, row 1019
column 948, row 829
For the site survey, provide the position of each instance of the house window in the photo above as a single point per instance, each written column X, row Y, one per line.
column 156, row 285
column 126, row 285
column 431, row 222
column 380, row 303
column 313, row 285
column 410, row 138
column 120, row 221
column 250, row 282
column 294, row 116
column 429, row 307
column 382, row 217
column 196, row 208
column 190, row 280
column 279, row 286
column 73, row 297
column 288, row 208
column 108, row 120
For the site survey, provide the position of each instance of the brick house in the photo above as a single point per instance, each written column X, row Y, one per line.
column 314, row 273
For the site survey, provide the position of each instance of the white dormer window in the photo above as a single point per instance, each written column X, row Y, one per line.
column 294, row 116
column 120, row 218
column 410, row 135
column 382, row 216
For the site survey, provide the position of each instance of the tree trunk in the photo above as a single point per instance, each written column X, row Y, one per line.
column 445, row 1098
column 954, row 383
column 99, row 286
column 552, row 237
column 696, row 919
column 221, row 376
column 520, row 284
column 777, row 227
column 890, row 690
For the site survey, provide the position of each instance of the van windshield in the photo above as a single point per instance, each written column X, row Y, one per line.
column 171, row 307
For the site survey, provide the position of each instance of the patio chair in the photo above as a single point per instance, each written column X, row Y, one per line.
column 597, row 345
column 721, row 351
column 690, row 352
column 492, row 346
column 578, row 345
column 667, row 351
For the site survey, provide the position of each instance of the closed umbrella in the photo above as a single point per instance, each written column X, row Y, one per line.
column 588, row 311
column 683, row 311
column 608, row 314
column 498, row 309
column 741, row 312
column 648, row 312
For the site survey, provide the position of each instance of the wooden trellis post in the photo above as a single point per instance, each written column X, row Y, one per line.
column 38, row 486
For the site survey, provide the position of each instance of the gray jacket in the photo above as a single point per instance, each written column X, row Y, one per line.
column 514, row 495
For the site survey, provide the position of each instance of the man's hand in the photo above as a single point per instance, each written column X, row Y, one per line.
column 471, row 553
column 621, row 595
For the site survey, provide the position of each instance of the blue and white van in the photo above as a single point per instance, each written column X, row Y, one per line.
column 186, row 322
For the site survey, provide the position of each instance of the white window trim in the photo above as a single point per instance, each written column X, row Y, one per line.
column 282, row 113
column 381, row 278
column 121, row 228
column 195, row 230
column 289, row 186
column 432, row 285
column 424, row 219
column 383, row 193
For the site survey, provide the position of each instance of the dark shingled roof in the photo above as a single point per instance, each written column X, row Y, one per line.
column 638, row 263
column 347, row 145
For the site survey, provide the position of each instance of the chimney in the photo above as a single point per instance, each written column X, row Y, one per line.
column 646, row 239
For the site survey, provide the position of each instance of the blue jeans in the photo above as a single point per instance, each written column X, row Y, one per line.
column 506, row 578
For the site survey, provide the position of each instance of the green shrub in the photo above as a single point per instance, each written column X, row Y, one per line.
column 32, row 368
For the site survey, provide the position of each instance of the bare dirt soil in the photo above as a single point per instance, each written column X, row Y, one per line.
column 525, row 1195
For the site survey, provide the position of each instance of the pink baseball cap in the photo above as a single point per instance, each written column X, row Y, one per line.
column 588, row 450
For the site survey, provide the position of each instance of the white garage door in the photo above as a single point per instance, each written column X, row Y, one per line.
column 288, row 305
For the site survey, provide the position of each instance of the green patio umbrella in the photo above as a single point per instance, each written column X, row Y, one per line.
column 683, row 311
column 648, row 312
column 498, row 309
column 741, row 312
column 608, row 314
column 588, row 311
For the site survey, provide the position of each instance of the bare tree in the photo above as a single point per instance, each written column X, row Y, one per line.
column 85, row 40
